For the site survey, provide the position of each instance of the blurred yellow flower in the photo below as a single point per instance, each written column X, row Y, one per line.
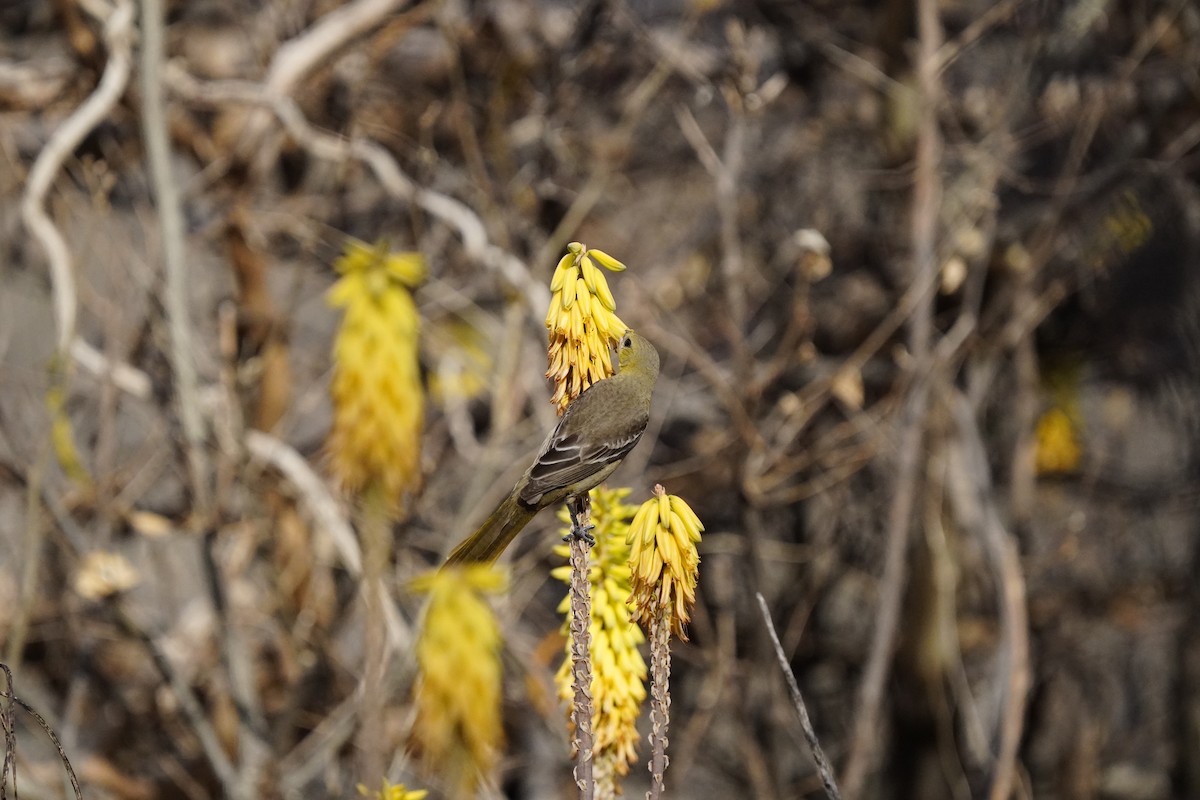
column 1058, row 449
column 378, row 403
column 393, row 792
column 460, row 360
column 665, row 564
column 1057, row 436
column 582, row 325
column 62, row 432
column 618, row 669
column 458, row 728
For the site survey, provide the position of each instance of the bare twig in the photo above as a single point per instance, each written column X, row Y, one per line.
column 314, row 493
column 840, row 50
column 994, row 16
column 311, row 755
column 770, row 453
column 375, row 528
column 824, row 768
column 726, row 174
column 386, row 170
column 8, row 721
column 193, row 712
column 602, row 168
column 35, row 532
column 974, row 502
column 253, row 750
column 170, row 220
column 118, row 38
column 299, row 57
column 671, row 339
column 926, row 201
column 125, row 377
column 1023, row 409
column 891, row 592
column 320, row 503
column 210, row 743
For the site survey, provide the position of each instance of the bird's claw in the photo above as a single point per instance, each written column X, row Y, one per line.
column 584, row 533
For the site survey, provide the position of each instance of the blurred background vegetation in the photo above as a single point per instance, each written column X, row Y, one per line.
column 929, row 310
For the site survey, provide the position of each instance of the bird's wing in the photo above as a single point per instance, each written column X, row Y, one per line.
column 566, row 460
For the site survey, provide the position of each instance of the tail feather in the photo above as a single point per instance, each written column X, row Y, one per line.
column 486, row 544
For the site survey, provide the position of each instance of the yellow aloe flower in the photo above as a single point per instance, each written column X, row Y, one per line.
column 1057, row 437
column 458, row 728
column 377, row 399
column 618, row 669
column 62, row 432
column 582, row 325
column 1058, row 449
column 663, row 557
column 393, row 792
column 463, row 360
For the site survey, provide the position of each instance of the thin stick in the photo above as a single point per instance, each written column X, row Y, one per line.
column 726, row 174
column 315, row 751
column 581, row 653
column 239, row 667
column 170, row 220
column 376, row 534
column 974, row 502
column 317, row 499
column 35, row 532
column 126, row 377
column 297, row 59
column 118, row 39
column 926, row 201
column 824, row 769
column 190, row 707
column 8, row 721
column 998, row 14
column 314, row 493
column 328, row 146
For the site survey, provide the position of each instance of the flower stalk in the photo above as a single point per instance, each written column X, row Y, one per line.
column 666, row 567
column 581, row 662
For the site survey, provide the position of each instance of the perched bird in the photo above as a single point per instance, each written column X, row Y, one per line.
column 594, row 434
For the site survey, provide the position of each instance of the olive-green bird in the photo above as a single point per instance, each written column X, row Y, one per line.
column 594, row 434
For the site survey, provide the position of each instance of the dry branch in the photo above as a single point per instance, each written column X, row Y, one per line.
column 972, row 495
column 118, row 39
column 926, row 201
column 824, row 768
column 383, row 166
column 8, row 722
column 175, row 288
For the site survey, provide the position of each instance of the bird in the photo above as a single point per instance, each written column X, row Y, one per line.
column 593, row 435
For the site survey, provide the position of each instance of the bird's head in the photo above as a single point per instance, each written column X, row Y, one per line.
column 634, row 352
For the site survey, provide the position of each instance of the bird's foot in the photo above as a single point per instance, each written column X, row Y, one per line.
column 581, row 532
column 577, row 507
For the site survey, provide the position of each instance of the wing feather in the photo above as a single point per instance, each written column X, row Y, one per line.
column 565, row 461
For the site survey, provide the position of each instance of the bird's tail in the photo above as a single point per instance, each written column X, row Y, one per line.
column 486, row 544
